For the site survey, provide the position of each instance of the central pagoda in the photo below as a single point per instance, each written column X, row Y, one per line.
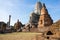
column 34, row 16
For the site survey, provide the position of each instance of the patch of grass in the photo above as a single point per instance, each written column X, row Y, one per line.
column 18, row 36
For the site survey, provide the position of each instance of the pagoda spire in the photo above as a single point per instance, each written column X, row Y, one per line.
column 44, row 5
column 44, row 10
column 38, row 7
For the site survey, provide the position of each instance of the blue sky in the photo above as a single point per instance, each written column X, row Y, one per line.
column 21, row 9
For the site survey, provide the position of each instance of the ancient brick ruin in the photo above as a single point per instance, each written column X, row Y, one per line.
column 41, row 22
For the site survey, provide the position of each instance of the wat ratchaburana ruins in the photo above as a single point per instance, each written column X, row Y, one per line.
column 40, row 22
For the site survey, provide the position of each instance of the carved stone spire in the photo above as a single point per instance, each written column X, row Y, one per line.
column 38, row 7
column 45, row 19
column 44, row 10
column 34, row 17
column 44, row 5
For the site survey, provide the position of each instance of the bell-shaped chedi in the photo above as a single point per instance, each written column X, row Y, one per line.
column 38, row 7
column 34, row 17
column 17, row 26
column 45, row 19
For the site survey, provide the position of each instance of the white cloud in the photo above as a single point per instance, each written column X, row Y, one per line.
column 5, row 5
column 10, row 7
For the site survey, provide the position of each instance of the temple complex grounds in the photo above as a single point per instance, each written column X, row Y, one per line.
column 19, row 36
